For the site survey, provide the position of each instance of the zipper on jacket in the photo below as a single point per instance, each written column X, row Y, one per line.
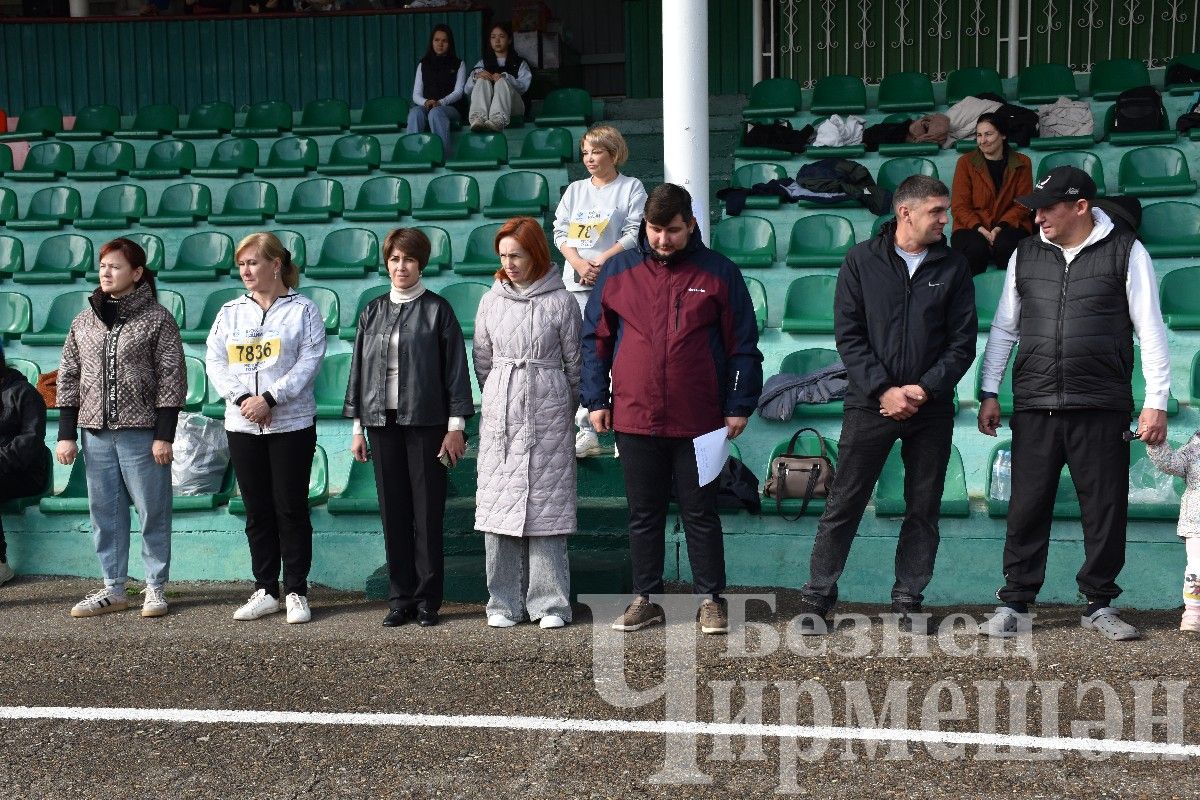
column 678, row 309
column 261, row 323
column 1058, row 339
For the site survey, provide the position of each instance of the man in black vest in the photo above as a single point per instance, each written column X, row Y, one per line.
column 905, row 325
column 1074, row 296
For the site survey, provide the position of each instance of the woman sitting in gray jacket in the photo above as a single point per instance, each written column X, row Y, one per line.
column 410, row 390
column 264, row 351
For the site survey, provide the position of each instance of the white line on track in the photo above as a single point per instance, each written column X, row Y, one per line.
column 662, row 727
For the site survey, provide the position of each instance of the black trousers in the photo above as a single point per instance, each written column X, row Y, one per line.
column 980, row 253
column 650, row 464
column 867, row 439
column 272, row 471
column 412, row 504
column 1090, row 443
column 12, row 486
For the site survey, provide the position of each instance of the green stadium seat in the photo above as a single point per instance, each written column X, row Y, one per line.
column 118, row 206
column 346, row 253
column 92, row 123
column 47, row 161
column 889, row 491
column 359, row 495
column 906, row 91
column 267, row 119
column 415, row 152
column 382, row 115
column 1177, row 87
column 1155, row 172
column 773, row 97
column 63, row 310
column 247, row 203
column 565, row 106
column 29, row 369
column 182, row 205
column 12, row 256
column 382, row 199
column 839, row 94
column 327, row 303
column 314, row 201
column 152, row 122
column 6, row 160
column 16, row 315
column 478, row 151
column 323, row 117
column 449, row 197
column 1113, row 76
column 1171, row 229
column 807, row 445
column 356, row 154
column 8, row 202
column 230, row 159
column 318, row 484
column 480, row 256
column 330, row 385
column 290, row 157
column 1045, row 83
column 440, row 253
column 988, row 288
column 544, row 148
column 34, row 123
column 518, row 194
column 366, row 296
column 1164, row 135
column 464, row 299
column 803, row 362
column 169, row 158
column 1139, row 386
column 758, row 298
column 73, row 499
column 820, row 240
column 972, row 81
column 50, row 209
column 1179, row 294
column 197, row 383
column 1081, row 159
column 207, row 121
column 201, row 257
column 747, row 175
column 208, row 501
column 208, row 315
column 173, row 303
column 295, row 244
column 893, row 171
column 808, row 307
column 152, row 246
column 746, row 241
column 1054, row 142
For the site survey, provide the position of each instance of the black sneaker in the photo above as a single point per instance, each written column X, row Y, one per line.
column 913, row 620
column 814, row 620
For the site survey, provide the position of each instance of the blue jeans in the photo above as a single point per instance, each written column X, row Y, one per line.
column 437, row 119
column 121, row 470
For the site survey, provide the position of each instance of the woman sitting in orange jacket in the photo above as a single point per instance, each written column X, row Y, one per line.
column 988, row 222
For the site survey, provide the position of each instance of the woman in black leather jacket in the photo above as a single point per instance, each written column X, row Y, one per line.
column 410, row 392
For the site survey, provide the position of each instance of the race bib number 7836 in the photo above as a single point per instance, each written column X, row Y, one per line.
column 251, row 349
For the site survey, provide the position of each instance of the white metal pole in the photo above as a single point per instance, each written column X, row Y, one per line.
column 757, row 39
column 685, row 101
column 1014, row 37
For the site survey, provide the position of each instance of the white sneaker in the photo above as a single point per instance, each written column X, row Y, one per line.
column 500, row 621
column 6, row 573
column 101, row 601
column 587, row 443
column 552, row 621
column 297, row 609
column 155, row 604
column 259, row 605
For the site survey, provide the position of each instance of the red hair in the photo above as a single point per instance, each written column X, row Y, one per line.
column 532, row 239
column 135, row 255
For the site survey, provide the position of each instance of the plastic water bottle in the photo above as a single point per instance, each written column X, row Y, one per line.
column 1002, row 476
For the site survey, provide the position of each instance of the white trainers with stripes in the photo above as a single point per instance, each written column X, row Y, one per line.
column 101, row 601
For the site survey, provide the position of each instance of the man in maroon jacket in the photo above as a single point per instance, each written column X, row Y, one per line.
column 673, row 324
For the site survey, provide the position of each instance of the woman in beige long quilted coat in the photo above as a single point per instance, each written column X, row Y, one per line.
column 527, row 357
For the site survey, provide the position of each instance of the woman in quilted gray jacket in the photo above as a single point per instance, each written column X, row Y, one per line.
column 122, row 380
column 527, row 358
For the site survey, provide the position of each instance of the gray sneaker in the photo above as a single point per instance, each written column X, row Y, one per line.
column 713, row 616
column 641, row 613
column 6, row 573
column 1109, row 623
column 1005, row 623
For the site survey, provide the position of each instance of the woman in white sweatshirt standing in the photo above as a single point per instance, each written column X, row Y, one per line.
column 597, row 218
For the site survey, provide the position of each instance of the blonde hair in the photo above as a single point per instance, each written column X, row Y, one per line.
column 607, row 138
column 270, row 248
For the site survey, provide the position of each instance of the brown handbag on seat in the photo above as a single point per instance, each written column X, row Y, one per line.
column 795, row 476
column 47, row 387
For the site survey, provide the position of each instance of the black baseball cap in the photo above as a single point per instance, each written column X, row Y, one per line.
column 1060, row 183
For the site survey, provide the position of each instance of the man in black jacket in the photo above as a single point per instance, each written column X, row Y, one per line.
column 904, row 319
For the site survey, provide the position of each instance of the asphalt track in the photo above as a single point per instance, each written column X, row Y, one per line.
column 196, row 705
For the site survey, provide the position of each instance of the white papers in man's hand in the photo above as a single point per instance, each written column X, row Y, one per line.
column 712, row 451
